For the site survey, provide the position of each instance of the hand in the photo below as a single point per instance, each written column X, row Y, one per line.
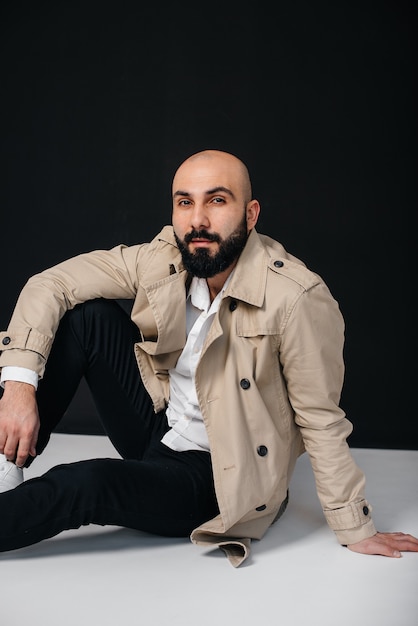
column 19, row 422
column 386, row 544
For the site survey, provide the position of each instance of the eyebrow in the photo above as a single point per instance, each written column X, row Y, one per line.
column 209, row 192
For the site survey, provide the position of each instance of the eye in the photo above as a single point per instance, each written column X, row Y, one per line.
column 184, row 202
column 218, row 200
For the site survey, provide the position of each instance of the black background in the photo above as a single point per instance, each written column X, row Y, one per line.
column 102, row 101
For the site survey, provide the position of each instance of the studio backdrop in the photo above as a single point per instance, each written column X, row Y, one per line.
column 101, row 102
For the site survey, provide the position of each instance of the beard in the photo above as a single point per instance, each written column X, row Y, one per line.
column 201, row 263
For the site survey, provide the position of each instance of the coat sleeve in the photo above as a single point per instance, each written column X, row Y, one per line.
column 48, row 295
column 312, row 359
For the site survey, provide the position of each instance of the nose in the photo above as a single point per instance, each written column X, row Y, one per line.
column 199, row 217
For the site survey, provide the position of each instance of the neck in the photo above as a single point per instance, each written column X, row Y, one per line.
column 216, row 283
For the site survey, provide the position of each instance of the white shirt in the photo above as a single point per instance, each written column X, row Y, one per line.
column 19, row 374
column 187, row 430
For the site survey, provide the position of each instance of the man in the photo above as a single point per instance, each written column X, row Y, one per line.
column 239, row 350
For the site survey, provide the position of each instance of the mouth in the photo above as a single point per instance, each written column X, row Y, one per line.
column 201, row 238
column 201, row 242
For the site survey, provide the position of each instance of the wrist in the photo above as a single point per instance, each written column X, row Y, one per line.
column 18, row 386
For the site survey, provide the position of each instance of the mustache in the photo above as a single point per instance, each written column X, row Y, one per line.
column 201, row 234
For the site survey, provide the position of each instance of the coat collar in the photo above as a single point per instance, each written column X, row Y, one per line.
column 250, row 275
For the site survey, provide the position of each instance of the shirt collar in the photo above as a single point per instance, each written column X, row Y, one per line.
column 199, row 292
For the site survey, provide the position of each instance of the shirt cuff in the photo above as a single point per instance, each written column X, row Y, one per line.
column 19, row 374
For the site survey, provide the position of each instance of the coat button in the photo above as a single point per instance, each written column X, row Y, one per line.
column 366, row 510
column 261, row 508
column 6, row 341
column 278, row 263
column 233, row 305
column 262, row 450
column 245, row 383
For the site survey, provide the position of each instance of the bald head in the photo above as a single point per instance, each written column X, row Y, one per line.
column 223, row 168
column 213, row 214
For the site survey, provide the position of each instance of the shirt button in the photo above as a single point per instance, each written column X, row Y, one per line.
column 366, row 510
column 6, row 341
column 245, row 383
column 262, row 450
column 233, row 305
column 278, row 263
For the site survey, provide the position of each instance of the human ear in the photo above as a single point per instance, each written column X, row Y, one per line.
column 252, row 213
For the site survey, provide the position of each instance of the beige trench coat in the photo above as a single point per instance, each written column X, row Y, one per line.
column 268, row 381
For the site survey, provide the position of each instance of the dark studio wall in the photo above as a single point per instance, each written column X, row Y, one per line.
column 101, row 102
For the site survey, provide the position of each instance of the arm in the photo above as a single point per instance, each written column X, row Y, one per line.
column 312, row 360
column 28, row 340
column 48, row 295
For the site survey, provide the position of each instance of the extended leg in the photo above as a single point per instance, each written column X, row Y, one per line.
column 166, row 493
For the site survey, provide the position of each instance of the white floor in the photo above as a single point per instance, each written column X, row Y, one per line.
column 298, row 574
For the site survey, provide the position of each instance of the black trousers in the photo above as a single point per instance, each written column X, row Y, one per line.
column 152, row 488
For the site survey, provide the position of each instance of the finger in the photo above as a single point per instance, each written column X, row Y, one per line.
column 401, row 541
column 407, row 543
column 2, row 442
column 376, row 546
column 9, row 448
column 377, row 549
column 32, row 447
column 21, row 456
column 23, row 451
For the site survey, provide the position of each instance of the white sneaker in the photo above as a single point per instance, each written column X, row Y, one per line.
column 10, row 475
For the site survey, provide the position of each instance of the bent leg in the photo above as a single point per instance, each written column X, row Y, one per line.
column 167, row 493
column 96, row 340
